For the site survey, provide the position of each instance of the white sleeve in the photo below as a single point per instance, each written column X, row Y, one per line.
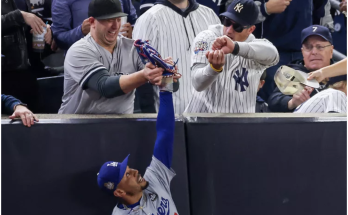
column 146, row 29
column 260, row 50
column 81, row 62
column 202, row 74
column 158, row 173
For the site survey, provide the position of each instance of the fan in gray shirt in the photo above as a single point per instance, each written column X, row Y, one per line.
column 102, row 70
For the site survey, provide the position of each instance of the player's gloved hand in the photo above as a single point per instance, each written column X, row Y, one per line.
column 170, row 61
column 300, row 97
column 224, row 44
column 25, row 114
column 127, row 30
column 153, row 74
column 318, row 75
column 277, row 6
column 216, row 58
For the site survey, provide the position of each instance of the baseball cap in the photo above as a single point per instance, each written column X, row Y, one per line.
column 290, row 81
column 316, row 30
column 244, row 12
column 110, row 174
column 105, row 9
column 336, row 79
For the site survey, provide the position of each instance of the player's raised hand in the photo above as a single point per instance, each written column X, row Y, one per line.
column 153, row 74
column 318, row 75
column 224, row 44
column 300, row 97
column 216, row 58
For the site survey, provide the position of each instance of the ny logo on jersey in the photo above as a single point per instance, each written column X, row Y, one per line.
column 238, row 8
column 241, row 79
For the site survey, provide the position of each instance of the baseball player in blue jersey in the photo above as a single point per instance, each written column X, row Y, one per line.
column 148, row 195
column 227, row 63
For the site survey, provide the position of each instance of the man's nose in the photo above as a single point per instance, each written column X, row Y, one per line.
column 114, row 24
column 314, row 50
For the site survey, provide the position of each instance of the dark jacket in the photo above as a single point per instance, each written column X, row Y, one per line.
column 261, row 106
column 8, row 103
column 13, row 44
column 278, row 102
column 284, row 29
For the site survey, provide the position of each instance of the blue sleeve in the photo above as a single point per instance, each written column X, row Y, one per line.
column 163, row 150
column 63, row 33
column 8, row 103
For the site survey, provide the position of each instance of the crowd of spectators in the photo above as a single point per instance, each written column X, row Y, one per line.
column 103, row 73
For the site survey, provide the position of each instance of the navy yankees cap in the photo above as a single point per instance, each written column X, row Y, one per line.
column 110, row 174
column 244, row 12
column 337, row 79
column 105, row 9
column 316, row 30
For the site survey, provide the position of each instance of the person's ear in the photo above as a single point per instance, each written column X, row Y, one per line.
column 252, row 29
column 91, row 20
column 262, row 82
column 119, row 193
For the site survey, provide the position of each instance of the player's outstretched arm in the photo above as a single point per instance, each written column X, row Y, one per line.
column 163, row 150
column 113, row 86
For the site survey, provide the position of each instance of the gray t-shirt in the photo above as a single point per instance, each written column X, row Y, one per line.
column 82, row 60
column 157, row 198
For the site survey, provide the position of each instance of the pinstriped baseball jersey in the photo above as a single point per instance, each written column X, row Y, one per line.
column 326, row 101
column 157, row 198
column 86, row 57
column 234, row 89
column 166, row 30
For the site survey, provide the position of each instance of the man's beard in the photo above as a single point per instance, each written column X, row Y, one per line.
column 144, row 187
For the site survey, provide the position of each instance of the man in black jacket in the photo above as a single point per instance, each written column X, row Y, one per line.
column 17, row 78
column 317, row 51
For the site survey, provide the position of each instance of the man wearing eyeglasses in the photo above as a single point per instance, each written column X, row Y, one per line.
column 317, row 50
column 228, row 61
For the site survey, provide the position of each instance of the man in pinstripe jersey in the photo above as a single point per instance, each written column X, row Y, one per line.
column 171, row 26
column 228, row 61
